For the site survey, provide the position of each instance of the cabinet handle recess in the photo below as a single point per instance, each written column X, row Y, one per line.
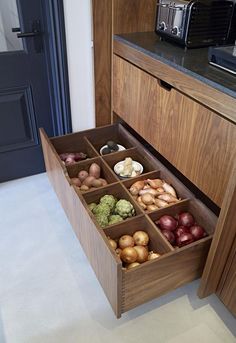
column 165, row 85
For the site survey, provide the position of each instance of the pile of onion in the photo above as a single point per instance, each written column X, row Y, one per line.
column 182, row 230
column 133, row 250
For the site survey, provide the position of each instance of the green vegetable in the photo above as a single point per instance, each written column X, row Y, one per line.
column 124, row 208
column 102, row 219
column 102, row 209
column 115, row 218
column 109, row 200
column 92, row 206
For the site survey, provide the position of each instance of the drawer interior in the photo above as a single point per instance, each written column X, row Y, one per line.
column 153, row 278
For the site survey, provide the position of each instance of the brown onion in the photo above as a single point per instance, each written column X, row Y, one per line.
column 118, row 251
column 129, row 255
column 132, row 265
column 126, row 241
column 141, row 238
column 112, row 243
column 142, row 253
column 153, row 255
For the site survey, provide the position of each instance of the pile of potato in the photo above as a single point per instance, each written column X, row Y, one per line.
column 90, row 180
column 153, row 194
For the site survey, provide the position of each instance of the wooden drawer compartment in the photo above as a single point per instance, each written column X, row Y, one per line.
column 125, row 289
column 195, row 139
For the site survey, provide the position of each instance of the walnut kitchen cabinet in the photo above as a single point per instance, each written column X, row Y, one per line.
column 191, row 121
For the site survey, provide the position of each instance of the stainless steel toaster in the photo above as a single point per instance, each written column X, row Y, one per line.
column 195, row 23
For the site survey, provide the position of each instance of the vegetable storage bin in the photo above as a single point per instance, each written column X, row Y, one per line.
column 125, row 289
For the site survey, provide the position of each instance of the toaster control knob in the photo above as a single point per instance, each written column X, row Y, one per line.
column 162, row 26
column 175, row 31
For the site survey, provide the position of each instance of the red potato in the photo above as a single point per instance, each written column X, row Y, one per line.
column 76, row 181
column 83, row 174
column 95, row 170
column 88, row 181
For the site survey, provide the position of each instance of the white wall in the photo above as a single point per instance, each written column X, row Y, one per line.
column 78, row 22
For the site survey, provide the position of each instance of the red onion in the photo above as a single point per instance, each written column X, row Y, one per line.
column 197, row 231
column 167, row 223
column 181, row 230
column 169, row 236
column 185, row 239
column 185, row 219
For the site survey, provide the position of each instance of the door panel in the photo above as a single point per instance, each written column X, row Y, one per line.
column 18, row 126
column 24, row 92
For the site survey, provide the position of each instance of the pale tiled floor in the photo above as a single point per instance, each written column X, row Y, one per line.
column 49, row 293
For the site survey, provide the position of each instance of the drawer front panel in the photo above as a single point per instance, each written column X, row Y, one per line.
column 194, row 139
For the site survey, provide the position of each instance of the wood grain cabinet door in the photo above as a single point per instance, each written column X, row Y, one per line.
column 196, row 140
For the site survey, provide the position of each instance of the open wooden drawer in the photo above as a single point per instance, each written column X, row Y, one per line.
column 125, row 289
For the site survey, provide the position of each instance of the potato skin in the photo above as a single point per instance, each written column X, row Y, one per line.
column 95, row 170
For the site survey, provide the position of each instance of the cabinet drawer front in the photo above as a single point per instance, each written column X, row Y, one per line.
column 193, row 138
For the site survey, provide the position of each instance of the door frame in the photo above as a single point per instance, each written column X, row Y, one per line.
column 56, row 58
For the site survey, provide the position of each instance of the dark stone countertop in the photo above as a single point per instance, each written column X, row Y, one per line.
column 193, row 62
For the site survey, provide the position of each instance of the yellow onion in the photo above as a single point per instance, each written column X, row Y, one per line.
column 141, row 238
column 129, row 255
column 118, row 251
column 153, row 255
column 142, row 253
column 112, row 243
column 126, row 241
column 132, row 265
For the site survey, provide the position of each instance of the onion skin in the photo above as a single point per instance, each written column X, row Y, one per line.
column 141, row 238
column 132, row 265
column 169, row 235
column 167, row 223
column 126, row 241
column 186, row 219
column 181, row 230
column 112, row 243
column 129, row 255
column 153, row 255
column 118, row 251
column 142, row 253
column 184, row 239
column 197, row 231
column 149, row 191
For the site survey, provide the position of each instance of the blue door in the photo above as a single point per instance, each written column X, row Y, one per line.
column 24, row 88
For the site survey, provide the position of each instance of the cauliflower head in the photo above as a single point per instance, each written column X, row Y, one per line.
column 115, row 218
column 102, row 219
column 124, row 208
column 109, row 200
column 103, row 209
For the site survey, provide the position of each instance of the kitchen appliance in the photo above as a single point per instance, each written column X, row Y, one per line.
column 195, row 23
column 223, row 57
